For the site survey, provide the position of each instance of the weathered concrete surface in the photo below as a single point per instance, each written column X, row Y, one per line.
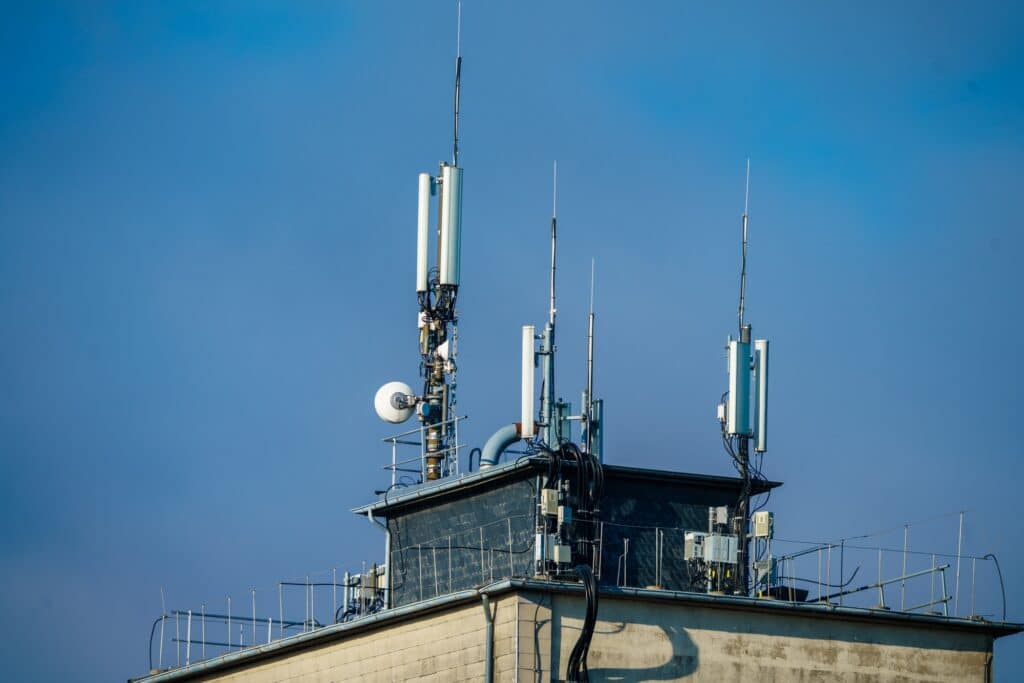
column 641, row 637
column 445, row 646
column 646, row 641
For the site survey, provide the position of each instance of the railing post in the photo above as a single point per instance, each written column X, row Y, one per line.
column 842, row 560
column 177, row 638
column 254, row 616
column 394, row 461
column 956, row 588
column 819, row 572
column 203, row 607
column 974, row 566
column 881, row 590
column 903, row 582
column 511, row 567
column 229, row 623
column 188, row 639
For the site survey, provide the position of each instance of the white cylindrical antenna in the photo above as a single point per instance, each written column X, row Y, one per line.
column 738, row 417
column 422, row 232
column 527, row 431
column 451, row 225
column 761, row 395
column 554, row 226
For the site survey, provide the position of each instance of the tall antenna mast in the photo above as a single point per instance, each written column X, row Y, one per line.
column 547, row 352
column 437, row 289
column 458, row 77
column 743, row 258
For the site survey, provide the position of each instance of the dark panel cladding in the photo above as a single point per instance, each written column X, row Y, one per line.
column 638, row 509
column 463, row 541
column 459, row 538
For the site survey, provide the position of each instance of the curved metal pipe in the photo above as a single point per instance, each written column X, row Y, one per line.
column 499, row 441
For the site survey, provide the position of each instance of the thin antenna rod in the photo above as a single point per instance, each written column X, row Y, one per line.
column 743, row 259
column 458, row 77
column 554, row 222
column 590, row 361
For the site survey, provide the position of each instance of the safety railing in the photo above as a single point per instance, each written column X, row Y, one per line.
column 848, row 572
column 417, row 465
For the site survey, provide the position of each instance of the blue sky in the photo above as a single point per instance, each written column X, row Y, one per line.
column 206, row 270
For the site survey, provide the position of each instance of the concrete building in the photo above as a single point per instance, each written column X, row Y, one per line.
column 463, row 603
column 642, row 635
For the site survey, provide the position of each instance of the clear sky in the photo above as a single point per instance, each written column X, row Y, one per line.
column 207, row 220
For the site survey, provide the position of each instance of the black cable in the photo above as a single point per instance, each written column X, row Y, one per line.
column 577, row 670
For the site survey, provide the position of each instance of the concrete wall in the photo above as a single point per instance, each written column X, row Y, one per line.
column 635, row 640
column 445, row 646
column 659, row 641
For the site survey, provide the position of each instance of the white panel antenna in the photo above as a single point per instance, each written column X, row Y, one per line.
column 426, row 185
column 761, row 395
column 738, row 410
column 528, row 430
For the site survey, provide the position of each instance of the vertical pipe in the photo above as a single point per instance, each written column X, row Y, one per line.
column 177, row 638
column 280, row 611
column 488, row 640
column 254, row 616
column 203, row 607
column 334, row 591
column 959, row 545
column 270, row 629
column 483, row 573
column 188, row 639
column 229, row 623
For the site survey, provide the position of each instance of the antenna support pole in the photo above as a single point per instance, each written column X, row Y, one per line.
column 743, row 508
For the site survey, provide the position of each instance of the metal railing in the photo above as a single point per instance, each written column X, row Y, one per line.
column 450, row 454
column 634, row 556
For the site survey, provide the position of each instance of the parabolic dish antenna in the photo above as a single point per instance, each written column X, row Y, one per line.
column 392, row 402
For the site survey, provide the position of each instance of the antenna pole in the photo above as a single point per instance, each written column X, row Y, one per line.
column 554, row 221
column 743, row 258
column 551, row 436
column 458, row 77
column 589, row 407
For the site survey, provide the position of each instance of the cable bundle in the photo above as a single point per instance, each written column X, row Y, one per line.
column 577, row 669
